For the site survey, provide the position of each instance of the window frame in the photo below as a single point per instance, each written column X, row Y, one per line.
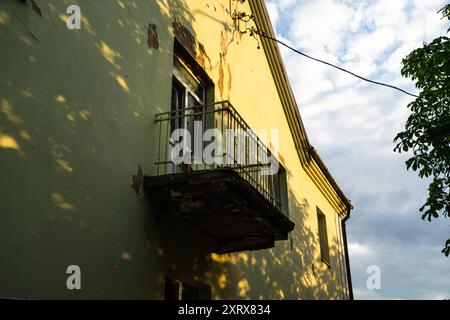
column 325, row 256
column 182, row 81
column 203, row 291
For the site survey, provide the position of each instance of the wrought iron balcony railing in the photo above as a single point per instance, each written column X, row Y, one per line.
column 186, row 144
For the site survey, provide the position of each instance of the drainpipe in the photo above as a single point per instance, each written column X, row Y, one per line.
column 347, row 260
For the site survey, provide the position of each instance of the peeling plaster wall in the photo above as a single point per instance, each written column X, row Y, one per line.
column 77, row 112
column 293, row 269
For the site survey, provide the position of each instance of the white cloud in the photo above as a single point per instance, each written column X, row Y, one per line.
column 274, row 14
column 356, row 248
column 309, row 29
column 286, row 3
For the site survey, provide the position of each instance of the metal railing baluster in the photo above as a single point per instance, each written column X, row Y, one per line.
column 245, row 149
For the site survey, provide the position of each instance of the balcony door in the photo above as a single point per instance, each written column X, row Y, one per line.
column 188, row 101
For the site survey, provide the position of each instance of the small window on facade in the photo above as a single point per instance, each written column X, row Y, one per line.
column 189, row 292
column 172, row 289
column 323, row 238
column 178, row 290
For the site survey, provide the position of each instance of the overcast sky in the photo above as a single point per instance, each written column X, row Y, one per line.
column 352, row 124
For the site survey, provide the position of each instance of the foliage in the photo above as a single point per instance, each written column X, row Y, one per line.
column 427, row 129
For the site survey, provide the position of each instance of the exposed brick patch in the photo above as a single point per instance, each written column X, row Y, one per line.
column 202, row 57
column 152, row 36
column 184, row 36
column 188, row 41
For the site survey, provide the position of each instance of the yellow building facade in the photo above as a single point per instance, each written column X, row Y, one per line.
column 79, row 116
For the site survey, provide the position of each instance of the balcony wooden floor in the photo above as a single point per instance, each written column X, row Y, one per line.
column 221, row 204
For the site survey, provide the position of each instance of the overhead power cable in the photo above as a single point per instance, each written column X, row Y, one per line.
column 261, row 34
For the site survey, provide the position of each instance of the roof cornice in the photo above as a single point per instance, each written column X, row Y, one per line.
column 309, row 158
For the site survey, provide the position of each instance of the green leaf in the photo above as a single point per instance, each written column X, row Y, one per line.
column 427, row 129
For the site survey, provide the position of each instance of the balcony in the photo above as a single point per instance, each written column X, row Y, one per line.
column 213, row 172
